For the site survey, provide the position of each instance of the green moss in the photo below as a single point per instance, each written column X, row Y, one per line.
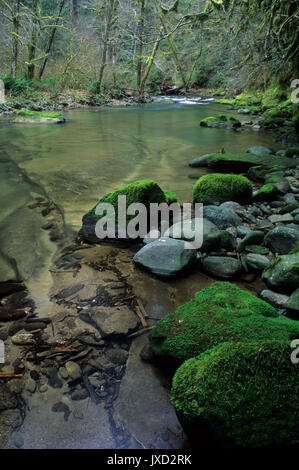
column 223, row 188
column 261, row 250
column 292, row 151
column 249, row 98
column 221, row 312
column 170, row 197
column 144, row 191
column 243, row 161
column 246, row 393
column 213, row 120
column 295, row 118
column 27, row 112
column 267, row 192
column 294, row 251
column 224, row 101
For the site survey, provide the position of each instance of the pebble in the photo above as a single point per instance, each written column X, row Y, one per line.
column 73, row 370
column 30, row 385
column 43, row 388
column 18, row 441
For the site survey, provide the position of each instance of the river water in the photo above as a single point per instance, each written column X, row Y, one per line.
column 73, row 165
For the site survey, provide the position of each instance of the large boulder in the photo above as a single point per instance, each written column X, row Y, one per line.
column 26, row 116
column 222, row 188
column 282, row 275
column 259, row 150
column 282, row 239
column 221, row 217
column 238, row 394
column 221, row 312
column 186, row 228
column 166, row 256
column 144, row 192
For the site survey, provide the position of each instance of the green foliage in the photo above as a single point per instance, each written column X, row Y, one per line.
column 219, row 313
column 223, row 188
column 170, row 197
column 248, row 392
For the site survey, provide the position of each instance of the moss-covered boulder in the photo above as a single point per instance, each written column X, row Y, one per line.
column 282, row 275
column 214, row 121
column 292, row 151
column 221, row 312
column 239, row 394
column 37, row 117
column 222, row 188
column 143, row 191
column 268, row 192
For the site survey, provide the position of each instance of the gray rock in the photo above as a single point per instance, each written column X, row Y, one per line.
column 186, row 228
column 53, row 379
column 282, row 239
column 73, row 370
column 243, row 111
column 166, row 256
column 296, row 219
column 242, row 230
column 281, row 153
column 232, row 205
column 221, row 266
column 117, row 356
column 19, row 441
column 257, row 262
column 63, row 373
column 43, row 388
column 293, row 301
column 30, row 385
column 252, row 238
column 280, row 218
column 111, row 321
column 273, row 298
column 200, row 162
column 259, row 150
column 282, row 274
column 264, row 224
column 221, row 217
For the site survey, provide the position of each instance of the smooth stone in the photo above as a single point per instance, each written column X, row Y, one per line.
column 73, row 370
column 232, row 205
column 252, row 238
column 22, row 339
column 281, row 153
column 43, row 388
column 222, row 218
column 166, row 256
column 221, row 266
column 117, row 356
column 273, row 298
column 264, row 224
column 63, row 373
column 30, row 385
column 280, row 218
column 260, row 250
column 282, row 239
column 293, row 301
column 185, row 229
column 242, row 230
column 111, row 320
column 283, row 274
column 19, row 441
column 257, row 262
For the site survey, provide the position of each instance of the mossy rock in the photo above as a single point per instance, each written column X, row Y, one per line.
column 240, row 162
column 28, row 116
column 214, row 121
column 222, row 188
column 143, row 191
column 268, row 192
column 292, row 151
column 283, row 273
column 263, row 173
column 170, row 197
column 239, row 395
column 221, row 312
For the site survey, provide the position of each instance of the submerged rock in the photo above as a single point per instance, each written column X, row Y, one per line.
column 26, row 116
column 228, row 393
column 283, row 273
column 259, row 150
column 257, row 262
column 110, row 321
column 221, row 312
column 166, row 256
column 223, row 188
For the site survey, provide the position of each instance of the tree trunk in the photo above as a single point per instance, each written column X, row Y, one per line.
column 149, row 66
column 33, row 41
column 15, row 46
column 109, row 24
column 51, row 40
column 140, row 43
column 175, row 52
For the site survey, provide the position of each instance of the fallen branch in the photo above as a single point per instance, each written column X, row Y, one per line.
column 140, row 332
column 9, row 375
column 140, row 316
column 140, row 305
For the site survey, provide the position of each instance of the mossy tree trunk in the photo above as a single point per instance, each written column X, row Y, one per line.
column 33, row 41
column 149, row 66
column 140, row 42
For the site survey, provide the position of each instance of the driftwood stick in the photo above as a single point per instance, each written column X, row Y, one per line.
column 140, row 332
column 9, row 375
column 140, row 305
column 140, row 316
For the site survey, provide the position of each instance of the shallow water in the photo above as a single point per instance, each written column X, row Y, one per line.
column 99, row 150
